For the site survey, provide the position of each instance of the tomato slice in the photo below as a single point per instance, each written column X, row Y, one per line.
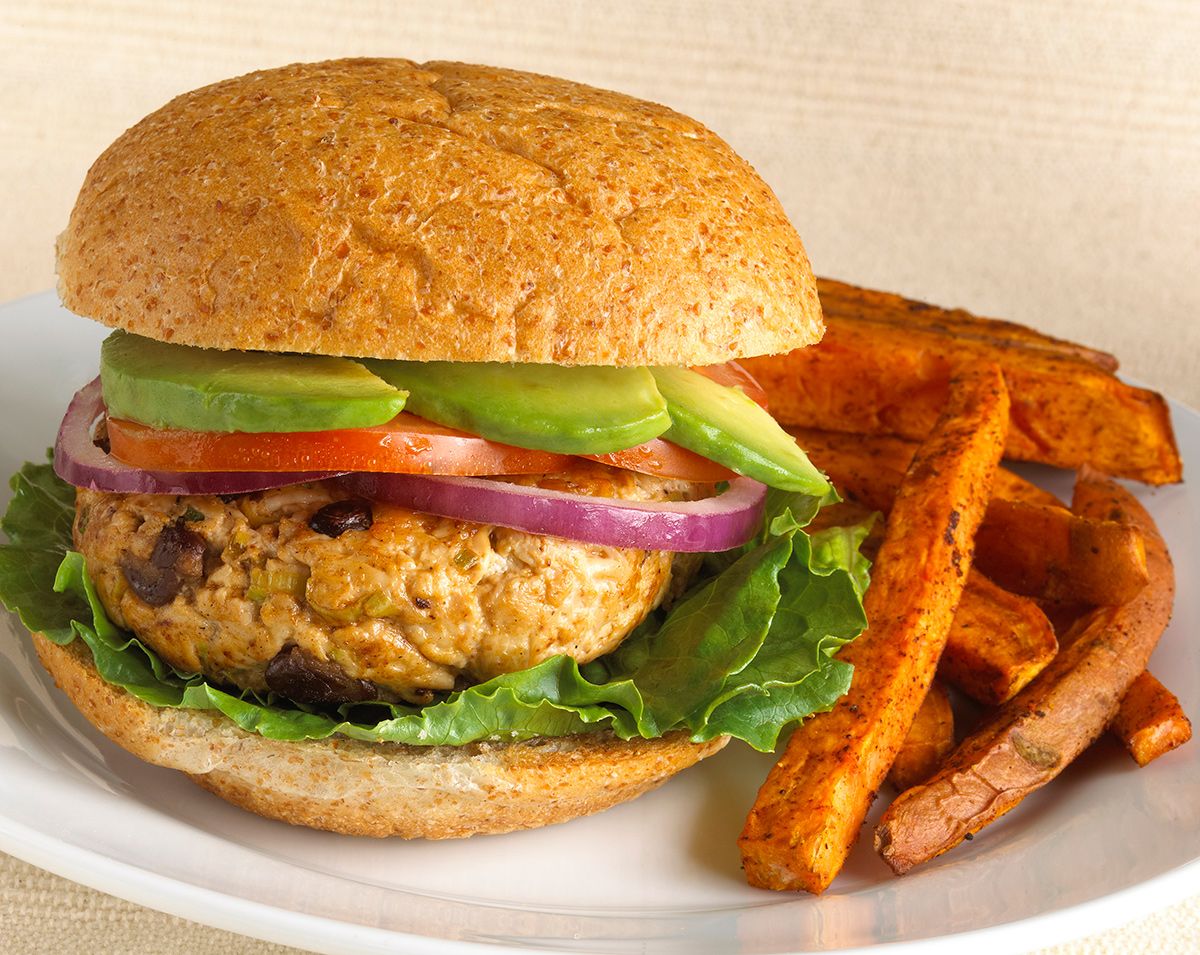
column 733, row 375
column 664, row 459
column 405, row 445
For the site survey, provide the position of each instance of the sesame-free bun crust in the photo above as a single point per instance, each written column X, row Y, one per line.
column 376, row 789
column 441, row 211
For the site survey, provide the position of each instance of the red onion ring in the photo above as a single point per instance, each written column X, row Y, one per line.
column 713, row 524
column 78, row 461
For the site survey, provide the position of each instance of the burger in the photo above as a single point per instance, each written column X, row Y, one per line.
column 419, row 492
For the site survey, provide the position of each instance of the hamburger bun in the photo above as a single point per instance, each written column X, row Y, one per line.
column 376, row 789
column 381, row 208
column 384, row 209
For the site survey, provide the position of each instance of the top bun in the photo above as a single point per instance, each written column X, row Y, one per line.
column 383, row 208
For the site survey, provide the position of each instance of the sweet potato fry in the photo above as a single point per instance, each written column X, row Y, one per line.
column 998, row 642
column 1028, row 543
column 888, row 374
column 869, row 468
column 1150, row 721
column 849, row 301
column 810, row 809
column 928, row 741
column 1013, row 487
column 1029, row 740
column 1050, row 553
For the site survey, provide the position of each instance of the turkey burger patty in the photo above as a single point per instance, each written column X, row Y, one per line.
column 324, row 598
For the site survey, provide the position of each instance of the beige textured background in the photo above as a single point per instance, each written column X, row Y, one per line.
column 1030, row 160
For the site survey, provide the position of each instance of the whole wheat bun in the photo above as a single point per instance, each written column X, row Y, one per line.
column 376, row 789
column 439, row 211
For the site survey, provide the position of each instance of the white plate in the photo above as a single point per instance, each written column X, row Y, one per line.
column 1101, row 845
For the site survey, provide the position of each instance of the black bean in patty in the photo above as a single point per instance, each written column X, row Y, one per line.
column 333, row 520
column 177, row 559
column 304, row 678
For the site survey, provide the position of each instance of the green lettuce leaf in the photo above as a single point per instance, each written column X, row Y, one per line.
column 38, row 526
column 749, row 650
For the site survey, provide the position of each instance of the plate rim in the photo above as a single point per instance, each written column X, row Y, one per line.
column 174, row 896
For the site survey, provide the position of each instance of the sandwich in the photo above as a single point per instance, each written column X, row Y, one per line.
column 419, row 491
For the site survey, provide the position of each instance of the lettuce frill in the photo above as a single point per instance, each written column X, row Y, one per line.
column 750, row 649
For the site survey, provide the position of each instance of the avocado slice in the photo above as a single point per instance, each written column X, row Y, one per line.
column 202, row 389
column 725, row 426
column 586, row 409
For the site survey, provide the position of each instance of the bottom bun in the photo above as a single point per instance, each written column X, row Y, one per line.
column 377, row 789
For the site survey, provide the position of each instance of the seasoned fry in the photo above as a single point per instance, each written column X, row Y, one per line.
column 869, row 468
column 849, row 301
column 1029, row 542
column 1040, row 731
column 1150, row 721
column 813, row 803
column 880, row 370
column 928, row 741
column 1013, row 487
column 1050, row 553
column 998, row 642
